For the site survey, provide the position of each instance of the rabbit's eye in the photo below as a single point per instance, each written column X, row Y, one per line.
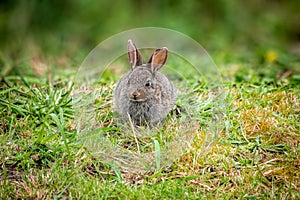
column 148, row 83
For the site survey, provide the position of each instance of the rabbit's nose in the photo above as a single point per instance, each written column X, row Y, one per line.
column 135, row 94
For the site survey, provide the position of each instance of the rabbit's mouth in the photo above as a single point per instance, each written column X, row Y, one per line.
column 137, row 100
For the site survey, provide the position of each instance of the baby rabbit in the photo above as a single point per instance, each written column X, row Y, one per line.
column 144, row 95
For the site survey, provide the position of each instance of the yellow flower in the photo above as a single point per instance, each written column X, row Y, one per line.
column 271, row 56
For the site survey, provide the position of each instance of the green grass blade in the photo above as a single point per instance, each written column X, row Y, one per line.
column 59, row 122
column 157, row 154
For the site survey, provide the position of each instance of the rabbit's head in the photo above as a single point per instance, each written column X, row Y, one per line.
column 143, row 82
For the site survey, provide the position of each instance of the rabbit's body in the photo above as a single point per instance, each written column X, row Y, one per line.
column 144, row 94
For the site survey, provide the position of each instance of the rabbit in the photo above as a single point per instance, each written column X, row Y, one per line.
column 144, row 95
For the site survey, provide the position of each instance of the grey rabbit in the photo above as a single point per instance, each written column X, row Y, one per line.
column 144, row 94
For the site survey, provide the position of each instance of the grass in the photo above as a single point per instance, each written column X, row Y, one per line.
column 256, row 155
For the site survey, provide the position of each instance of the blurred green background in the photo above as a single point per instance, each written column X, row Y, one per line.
column 71, row 28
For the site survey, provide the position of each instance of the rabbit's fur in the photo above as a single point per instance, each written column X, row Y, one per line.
column 144, row 94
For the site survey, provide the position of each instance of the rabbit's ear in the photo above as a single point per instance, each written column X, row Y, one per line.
column 158, row 58
column 135, row 57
